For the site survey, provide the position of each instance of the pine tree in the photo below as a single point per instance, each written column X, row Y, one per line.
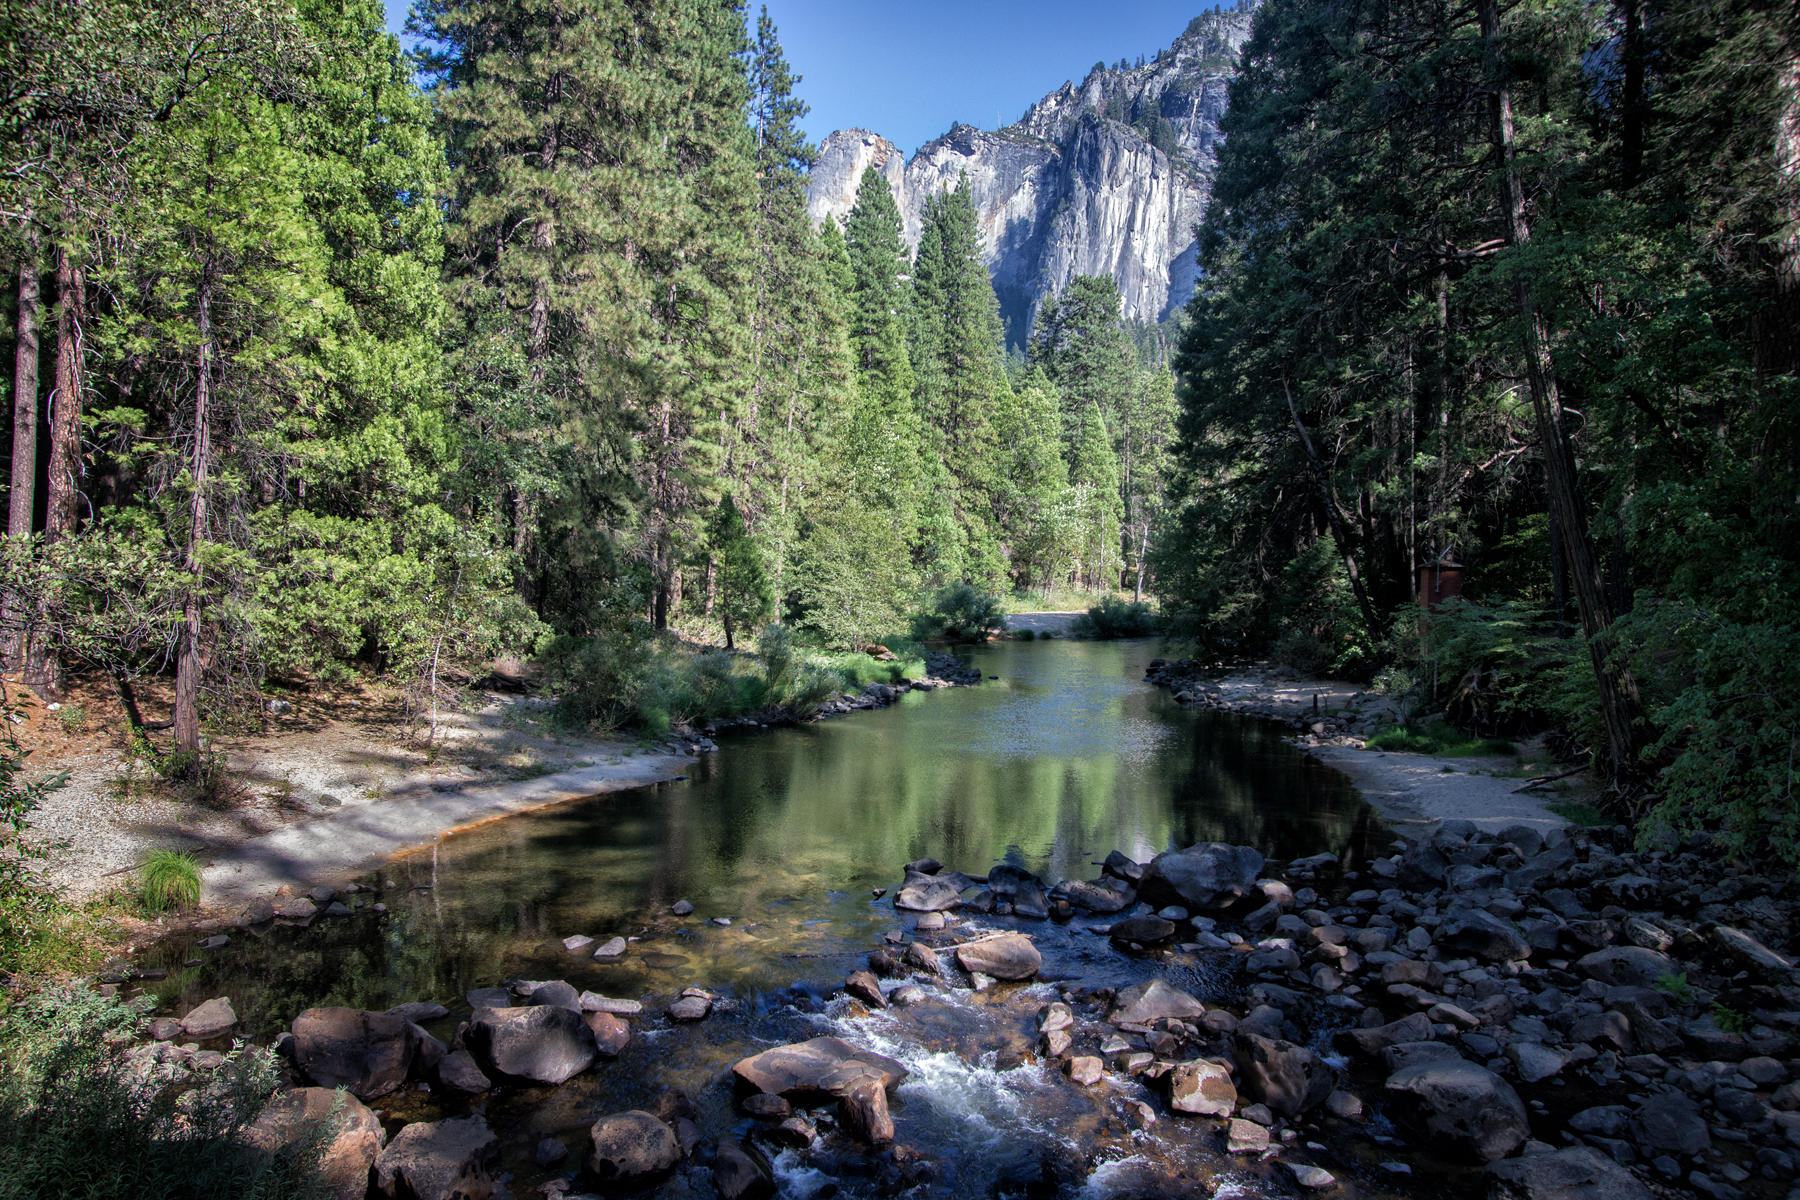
column 1080, row 343
column 746, row 595
column 1094, row 482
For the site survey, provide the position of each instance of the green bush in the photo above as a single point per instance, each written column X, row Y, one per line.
column 26, row 901
column 169, row 879
column 1437, row 738
column 600, row 679
column 960, row 612
column 1116, row 618
column 79, row 1122
column 1025, row 635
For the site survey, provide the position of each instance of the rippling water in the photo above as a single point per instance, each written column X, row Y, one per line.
column 1065, row 756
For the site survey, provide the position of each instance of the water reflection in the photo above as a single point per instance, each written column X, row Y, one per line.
column 1064, row 757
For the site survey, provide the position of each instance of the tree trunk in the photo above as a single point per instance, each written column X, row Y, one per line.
column 189, row 663
column 1620, row 707
column 1334, row 519
column 23, row 494
column 25, row 401
column 43, row 667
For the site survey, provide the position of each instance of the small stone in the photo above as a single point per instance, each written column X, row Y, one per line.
column 690, row 1008
column 1085, row 1069
column 209, row 1020
column 682, row 908
column 721, row 922
column 1313, row 1179
column 612, row 948
column 575, row 943
column 1245, row 1137
column 548, row 1151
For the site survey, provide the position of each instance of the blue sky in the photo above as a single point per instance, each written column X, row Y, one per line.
column 909, row 70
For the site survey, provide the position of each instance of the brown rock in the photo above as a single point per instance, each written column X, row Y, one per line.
column 288, row 1119
column 611, row 1035
column 863, row 1112
column 1008, row 956
column 632, row 1147
column 366, row 1052
column 439, row 1160
column 1202, row 1087
column 824, row 1066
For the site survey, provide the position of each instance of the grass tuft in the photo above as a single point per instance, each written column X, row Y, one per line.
column 1439, row 739
column 170, row 879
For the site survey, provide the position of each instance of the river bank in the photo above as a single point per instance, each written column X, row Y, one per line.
column 335, row 787
column 1332, row 720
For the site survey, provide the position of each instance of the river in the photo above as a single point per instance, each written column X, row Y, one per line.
column 790, row 834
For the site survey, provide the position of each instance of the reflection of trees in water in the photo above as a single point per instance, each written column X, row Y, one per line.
column 793, row 816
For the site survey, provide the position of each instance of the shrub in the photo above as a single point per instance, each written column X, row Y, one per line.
column 1437, row 738
column 169, row 879
column 26, row 902
column 599, row 679
column 72, row 717
column 960, row 612
column 1116, row 618
column 1025, row 635
column 80, row 1121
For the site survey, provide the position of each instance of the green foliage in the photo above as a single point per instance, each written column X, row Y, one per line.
column 1437, row 738
column 960, row 612
column 169, row 879
column 1578, row 812
column 1115, row 618
column 27, row 905
column 746, row 596
column 72, row 718
column 1675, row 986
column 1487, row 664
column 1729, row 1019
column 78, row 1120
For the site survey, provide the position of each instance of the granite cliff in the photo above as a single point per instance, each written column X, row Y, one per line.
column 1108, row 177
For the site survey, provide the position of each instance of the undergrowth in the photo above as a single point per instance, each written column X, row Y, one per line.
column 1439, row 739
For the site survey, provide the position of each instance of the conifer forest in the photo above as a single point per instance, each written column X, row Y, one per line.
column 332, row 359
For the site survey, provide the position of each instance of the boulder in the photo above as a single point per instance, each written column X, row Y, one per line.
column 461, row 1073
column 1245, row 1137
column 206, row 1021
column 1746, row 952
column 863, row 1112
column 1369, row 1043
column 1578, row 1173
column 1003, row 956
column 1203, row 878
column 923, row 957
column 1145, row 931
column 1019, row 888
column 930, row 893
column 1631, row 965
column 555, row 994
column 740, row 1173
column 822, row 1067
column 1151, row 1001
column 439, row 1160
column 1671, row 1124
column 631, row 1148
column 287, row 1122
column 1202, row 1087
column 1289, row 1079
column 1534, row 1061
column 1101, row 898
column 542, row 1043
column 367, row 1053
column 691, row 1006
column 612, row 948
column 1085, row 1069
column 1461, row 1109
column 864, row 986
column 1478, row 933
column 611, row 1035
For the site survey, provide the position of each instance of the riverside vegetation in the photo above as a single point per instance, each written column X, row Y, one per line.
column 334, row 361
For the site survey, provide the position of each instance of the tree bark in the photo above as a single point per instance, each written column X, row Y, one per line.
column 1620, row 706
column 23, row 482
column 189, row 663
column 1333, row 518
column 43, row 666
column 25, row 400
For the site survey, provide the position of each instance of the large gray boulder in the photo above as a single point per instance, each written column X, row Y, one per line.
column 811, row 1070
column 1460, row 1109
column 542, row 1043
column 1481, row 934
column 1289, row 1079
column 289, row 1119
column 439, row 1160
column 933, row 892
column 1019, row 888
column 1102, row 897
column 632, row 1147
column 368, row 1053
column 1369, row 1043
column 1202, row 878
column 1003, row 956
column 1151, row 1001
column 1578, row 1173
column 1632, row 965
column 1671, row 1124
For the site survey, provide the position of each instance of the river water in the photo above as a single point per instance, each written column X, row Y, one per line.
column 1060, row 758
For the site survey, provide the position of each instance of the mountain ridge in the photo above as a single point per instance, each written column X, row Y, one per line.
column 1106, row 177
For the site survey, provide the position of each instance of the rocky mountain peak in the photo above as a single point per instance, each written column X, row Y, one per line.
column 1108, row 177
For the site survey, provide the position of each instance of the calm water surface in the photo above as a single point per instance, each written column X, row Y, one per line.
column 1066, row 755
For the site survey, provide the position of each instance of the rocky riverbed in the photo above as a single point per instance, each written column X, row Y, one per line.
column 1506, row 1013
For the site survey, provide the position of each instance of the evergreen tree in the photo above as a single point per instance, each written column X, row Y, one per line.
column 1080, row 343
column 1094, row 482
column 746, row 595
